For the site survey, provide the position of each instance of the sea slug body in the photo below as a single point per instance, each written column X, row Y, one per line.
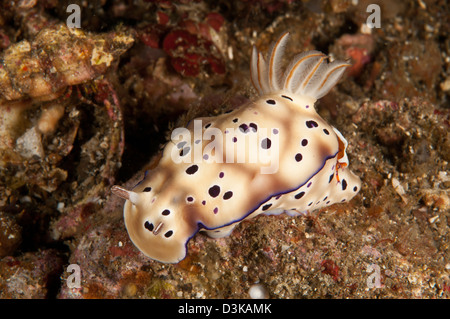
column 273, row 155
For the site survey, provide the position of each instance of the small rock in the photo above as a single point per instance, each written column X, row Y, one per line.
column 10, row 235
column 258, row 291
column 30, row 144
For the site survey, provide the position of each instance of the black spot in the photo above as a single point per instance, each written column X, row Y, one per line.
column 235, row 120
column 344, row 184
column 298, row 157
column 287, row 97
column 227, row 195
column 147, row 189
column 310, row 204
column 207, row 125
column 311, row 124
column 299, row 195
column 343, row 200
column 149, row 226
column 266, row 207
column 271, row 102
column 327, row 202
column 254, row 127
column 165, row 212
column 325, row 198
column 228, row 111
column 355, row 188
column 185, row 151
column 192, row 169
column 168, row 234
column 326, row 131
column 190, row 199
column 266, row 143
column 243, row 128
column 181, row 144
column 331, row 178
column 304, row 142
column 214, row 191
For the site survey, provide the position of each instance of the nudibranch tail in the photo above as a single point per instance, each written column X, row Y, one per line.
column 309, row 74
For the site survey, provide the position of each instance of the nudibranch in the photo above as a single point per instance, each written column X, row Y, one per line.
column 270, row 156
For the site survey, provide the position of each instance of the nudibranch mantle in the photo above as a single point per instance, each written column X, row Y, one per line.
column 270, row 156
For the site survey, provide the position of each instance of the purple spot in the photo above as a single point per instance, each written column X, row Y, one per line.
column 148, row 226
column 192, row 169
column 311, row 124
column 227, row 195
column 331, row 178
column 214, row 191
column 153, row 200
column 185, row 151
column 190, row 199
column 254, row 127
column 226, row 132
column 307, row 106
column 309, row 184
column 168, row 234
column 243, row 128
column 166, row 212
column 278, row 197
column 221, row 174
column 234, row 139
column 266, row 143
column 299, row 195
column 197, row 141
column 275, row 131
column 204, row 202
column 304, row 142
column 344, row 184
column 205, row 157
column 216, row 210
column 180, row 145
